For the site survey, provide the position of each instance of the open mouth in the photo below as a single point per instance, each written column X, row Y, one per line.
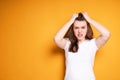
column 80, row 35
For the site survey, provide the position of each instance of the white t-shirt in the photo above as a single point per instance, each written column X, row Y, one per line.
column 79, row 65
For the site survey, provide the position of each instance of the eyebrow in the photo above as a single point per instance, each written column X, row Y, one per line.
column 83, row 26
column 76, row 27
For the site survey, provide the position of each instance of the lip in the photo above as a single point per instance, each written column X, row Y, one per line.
column 80, row 35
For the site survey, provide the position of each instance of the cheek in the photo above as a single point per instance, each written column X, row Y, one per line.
column 85, row 31
column 75, row 31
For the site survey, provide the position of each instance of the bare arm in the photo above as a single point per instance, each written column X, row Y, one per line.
column 59, row 37
column 104, row 33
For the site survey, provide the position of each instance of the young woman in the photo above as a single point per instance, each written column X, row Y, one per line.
column 76, row 38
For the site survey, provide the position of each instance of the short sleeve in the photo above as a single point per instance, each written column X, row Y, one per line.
column 67, row 45
column 93, row 49
column 93, row 43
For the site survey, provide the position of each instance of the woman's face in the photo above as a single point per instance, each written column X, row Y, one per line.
column 80, row 29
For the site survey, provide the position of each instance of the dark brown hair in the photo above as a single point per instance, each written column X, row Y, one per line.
column 70, row 34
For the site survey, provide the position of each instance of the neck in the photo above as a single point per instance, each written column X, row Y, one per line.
column 80, row 41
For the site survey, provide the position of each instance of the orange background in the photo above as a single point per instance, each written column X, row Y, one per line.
column 27, row 29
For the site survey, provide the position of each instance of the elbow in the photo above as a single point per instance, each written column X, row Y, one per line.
column 56, row 39
column 107, row 35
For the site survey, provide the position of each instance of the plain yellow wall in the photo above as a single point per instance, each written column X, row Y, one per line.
column 27, row 28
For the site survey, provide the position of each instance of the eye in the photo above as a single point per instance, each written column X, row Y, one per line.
column 83, row 27
column 76, row 27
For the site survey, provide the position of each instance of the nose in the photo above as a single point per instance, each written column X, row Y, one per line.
column 79, row 30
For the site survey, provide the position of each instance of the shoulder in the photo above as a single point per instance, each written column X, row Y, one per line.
column 93, row 44
column 67, row 44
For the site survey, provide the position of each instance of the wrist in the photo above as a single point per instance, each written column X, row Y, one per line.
column 90, row 20
column 72, row 20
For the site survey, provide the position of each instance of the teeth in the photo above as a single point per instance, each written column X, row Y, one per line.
column 80, row 35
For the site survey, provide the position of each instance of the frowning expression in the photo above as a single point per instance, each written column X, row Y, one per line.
column 80, row 29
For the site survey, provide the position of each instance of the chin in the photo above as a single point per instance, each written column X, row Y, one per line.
column 80, row 39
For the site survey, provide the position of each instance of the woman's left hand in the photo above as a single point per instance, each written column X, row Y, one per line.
column 85, row 14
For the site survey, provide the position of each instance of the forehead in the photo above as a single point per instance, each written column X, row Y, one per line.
column 80, row 23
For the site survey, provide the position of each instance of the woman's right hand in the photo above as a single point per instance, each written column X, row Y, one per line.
column 74, row 16
column 87, row 17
